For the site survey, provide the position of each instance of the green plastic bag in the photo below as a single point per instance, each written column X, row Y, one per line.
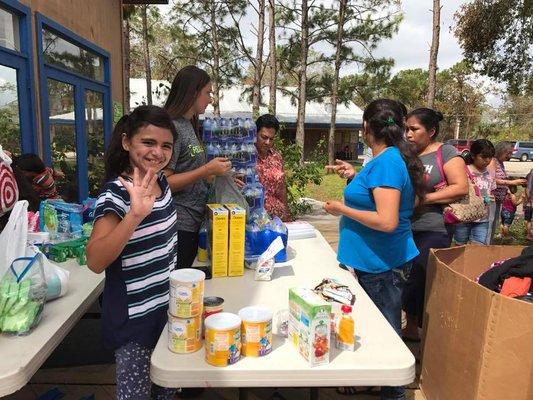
column 22, row 295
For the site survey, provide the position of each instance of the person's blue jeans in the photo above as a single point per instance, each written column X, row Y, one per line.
column 385, row 290
column 474, row 232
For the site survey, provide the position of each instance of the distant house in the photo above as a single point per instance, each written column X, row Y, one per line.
column 317, row 118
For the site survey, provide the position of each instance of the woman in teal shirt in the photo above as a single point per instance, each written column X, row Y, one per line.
column 376, row 241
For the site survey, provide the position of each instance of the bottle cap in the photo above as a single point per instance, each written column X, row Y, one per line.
column 346, row 308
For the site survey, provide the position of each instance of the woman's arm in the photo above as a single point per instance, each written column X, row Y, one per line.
column 111, row 234
column 384, row 219
column 454, row 171
column 178, row 180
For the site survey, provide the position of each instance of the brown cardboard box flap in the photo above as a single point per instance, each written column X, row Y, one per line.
column 478, row 344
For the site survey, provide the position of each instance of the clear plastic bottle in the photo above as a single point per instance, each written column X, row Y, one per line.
column 224, row 128
column 346, row 330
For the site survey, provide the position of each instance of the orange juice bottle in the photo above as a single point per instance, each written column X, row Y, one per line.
column 345, row 332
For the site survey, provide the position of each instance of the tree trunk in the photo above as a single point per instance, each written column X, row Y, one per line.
column 256, row 94
column 273, row 56
column 216, row 60
column 335, row 86
column 302, row 78
column 432, row 79
column 127, row 62
column 457, row 127
column 147, row 67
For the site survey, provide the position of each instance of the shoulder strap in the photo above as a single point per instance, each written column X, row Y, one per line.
column 440, row 165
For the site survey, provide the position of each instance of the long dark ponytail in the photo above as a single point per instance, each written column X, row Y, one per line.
column 385, row 119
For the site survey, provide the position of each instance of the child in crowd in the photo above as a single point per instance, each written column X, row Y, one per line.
column 481, row 153
column 134, row 241
column 508, row 212
column 41, row 177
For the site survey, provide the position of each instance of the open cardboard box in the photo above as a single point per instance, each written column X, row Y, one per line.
column 478, row 344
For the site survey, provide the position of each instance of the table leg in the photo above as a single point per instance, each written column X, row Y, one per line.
column 313, row 393
column 243, row 393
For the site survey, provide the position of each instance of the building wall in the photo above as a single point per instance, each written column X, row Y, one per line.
column 97, row 21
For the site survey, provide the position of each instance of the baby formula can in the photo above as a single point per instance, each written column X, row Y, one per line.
column 212, row 305
column 256, row 331
column 222, row 339
column 184, row 334
column 186, row 292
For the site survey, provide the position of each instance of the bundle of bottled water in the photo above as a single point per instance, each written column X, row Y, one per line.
column 234, row 138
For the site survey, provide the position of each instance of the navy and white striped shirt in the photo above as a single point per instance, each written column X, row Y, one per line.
column 136, row 291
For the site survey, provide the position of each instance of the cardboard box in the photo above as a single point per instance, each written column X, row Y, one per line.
column 478, row 344
column 217, row 239
column 309, row 325
column 237, row 228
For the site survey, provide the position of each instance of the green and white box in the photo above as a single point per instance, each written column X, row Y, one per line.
column 309, row 325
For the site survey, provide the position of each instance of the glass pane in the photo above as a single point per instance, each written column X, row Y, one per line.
column 63, row 137
column 9, row 30
column 94, row 125
column 60, row 100
column 63, row 142
column 9, row 110
column 60, row 52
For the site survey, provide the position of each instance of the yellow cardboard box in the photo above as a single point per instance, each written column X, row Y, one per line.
column 217, row 242
column 237, row 226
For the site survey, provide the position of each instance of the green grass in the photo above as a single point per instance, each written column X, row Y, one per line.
column 331, row 188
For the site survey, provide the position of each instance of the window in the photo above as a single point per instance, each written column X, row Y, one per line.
column 17, row 111
column 9, row 30
column 67, row 55
column 76, row 106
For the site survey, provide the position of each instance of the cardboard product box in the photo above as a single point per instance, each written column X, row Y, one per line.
column 478, row 344
column 309, row 325
column 217, row 239
column 237, row 229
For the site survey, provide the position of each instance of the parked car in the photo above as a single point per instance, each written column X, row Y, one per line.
column 523, row 151
column 462, row 145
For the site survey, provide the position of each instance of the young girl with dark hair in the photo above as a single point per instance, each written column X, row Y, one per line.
column 441, row 163
column 188, row 173
column 376, row 242
column 479, row 158
column 134, row 242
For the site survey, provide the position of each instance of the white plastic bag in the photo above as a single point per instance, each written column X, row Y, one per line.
column 13, row 237
column 13, row 245
column 265, row 262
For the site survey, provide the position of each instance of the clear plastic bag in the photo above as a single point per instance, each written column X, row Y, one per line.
column 22, row 295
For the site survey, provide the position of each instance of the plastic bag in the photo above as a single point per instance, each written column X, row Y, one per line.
column 260, row 233
column 13, row 237
column 265, row 262
column 62, row 220
column 226, row 191
column 22, row 295
column 56, row 278
column 9, row 192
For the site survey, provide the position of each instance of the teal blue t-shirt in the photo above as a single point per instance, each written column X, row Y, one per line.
column 367, row 249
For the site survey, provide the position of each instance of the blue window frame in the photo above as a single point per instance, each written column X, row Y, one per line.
column 22, row 62
column 81, row 84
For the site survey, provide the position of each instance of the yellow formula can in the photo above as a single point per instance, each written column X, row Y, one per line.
column 256, row 331
column 184, row 334
column 222, row 339
column 186, row 292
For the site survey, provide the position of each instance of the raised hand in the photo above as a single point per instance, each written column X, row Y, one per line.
column 342, row 168
column 142, row 193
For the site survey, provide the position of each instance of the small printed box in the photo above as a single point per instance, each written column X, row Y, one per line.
column 237, row 227
column 218, row 239
column 309, row 325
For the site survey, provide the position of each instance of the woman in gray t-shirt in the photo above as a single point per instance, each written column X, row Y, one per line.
column 188, row 173
column 429, row 230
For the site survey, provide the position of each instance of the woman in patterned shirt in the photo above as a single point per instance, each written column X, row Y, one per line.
column 270, row 168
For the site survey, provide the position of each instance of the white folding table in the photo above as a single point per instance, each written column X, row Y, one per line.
column 22, row 356
column 380, row 358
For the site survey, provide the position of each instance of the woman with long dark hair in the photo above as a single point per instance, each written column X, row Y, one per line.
column 188, row 173
column 376, row 242
column 441, row 164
